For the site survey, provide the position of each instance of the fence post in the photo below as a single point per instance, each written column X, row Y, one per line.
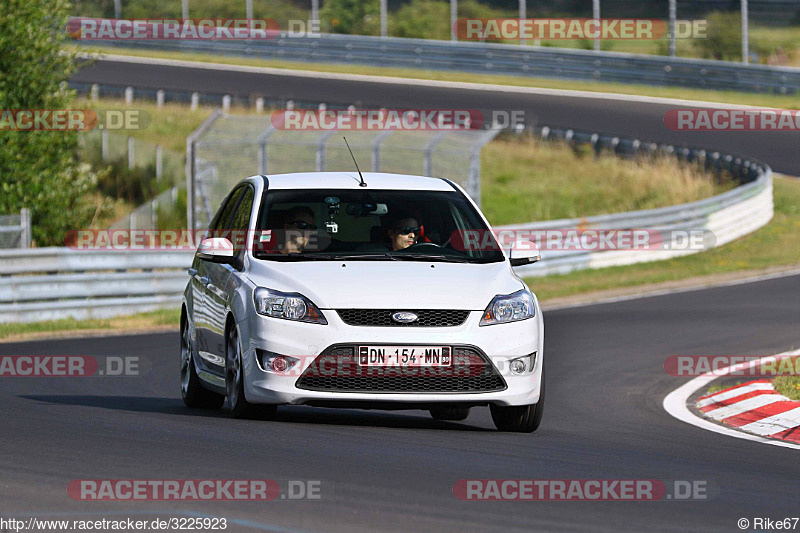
column 154, row 213
column 159, row 162
column 131, row 155
column 25, row 223
column 160, row 98
column 321, row 156
column 94, row 92
column 259, row 104
column 128, row 95
column 376, row 149
column 104, row 144
column 195, row 101
column 226, row 103
column 428, row 161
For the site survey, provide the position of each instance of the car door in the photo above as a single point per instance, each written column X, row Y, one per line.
column 210, row 334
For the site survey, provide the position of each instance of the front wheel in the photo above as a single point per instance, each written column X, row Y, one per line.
column 192, row 392
column 519, row 418
column 238, row 405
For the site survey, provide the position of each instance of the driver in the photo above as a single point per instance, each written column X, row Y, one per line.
column 298, row 225
column 403, row 233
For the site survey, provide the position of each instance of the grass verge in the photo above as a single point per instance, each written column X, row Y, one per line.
column 731, row 97
column 773, row 245
column 158, row 319
column 789, row 386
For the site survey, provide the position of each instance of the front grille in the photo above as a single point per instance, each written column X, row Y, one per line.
column 337, row 370
column 431, row 318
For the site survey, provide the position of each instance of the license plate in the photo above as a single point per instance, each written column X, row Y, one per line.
column 404, row 356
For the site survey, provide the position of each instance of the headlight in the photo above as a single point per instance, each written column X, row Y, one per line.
column 289, row 306
column 509, row 308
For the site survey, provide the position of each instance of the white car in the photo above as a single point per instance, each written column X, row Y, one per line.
column 379, row 291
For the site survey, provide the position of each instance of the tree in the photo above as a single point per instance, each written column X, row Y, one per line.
column 39, row 169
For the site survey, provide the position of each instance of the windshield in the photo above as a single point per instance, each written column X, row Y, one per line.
column 390, row 225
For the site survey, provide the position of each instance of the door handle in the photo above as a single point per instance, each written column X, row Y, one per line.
column 192, row 271
column 204, row 280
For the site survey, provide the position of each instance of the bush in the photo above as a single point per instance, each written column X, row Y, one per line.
column 724, row 37
column 39, row 169
column 354, row 17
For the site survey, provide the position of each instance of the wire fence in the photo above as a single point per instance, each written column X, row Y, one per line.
column 230, row 147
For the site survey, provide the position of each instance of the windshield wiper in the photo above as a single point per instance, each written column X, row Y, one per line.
column 292, row 257
column 431, row 257
column 373, row 257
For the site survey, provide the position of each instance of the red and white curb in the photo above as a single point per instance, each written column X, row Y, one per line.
column 754, row 409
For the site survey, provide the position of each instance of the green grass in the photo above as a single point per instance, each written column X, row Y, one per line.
column 524, row 180
column 773, row 245
column 789, row 386
column 731, row 97
column 142, row 321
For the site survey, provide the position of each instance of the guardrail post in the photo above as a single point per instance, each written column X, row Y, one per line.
column 131, row 158
column 159, row 162
column 226, row 103
column 94, row 92
column 289, row 105
column 25, row 224
column 160, row 98
column 259, row 105
column 128, row 95
column 195, row 101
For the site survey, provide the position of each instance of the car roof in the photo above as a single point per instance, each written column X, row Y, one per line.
column 350, row 180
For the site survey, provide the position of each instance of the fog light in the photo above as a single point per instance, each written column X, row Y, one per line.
column 279, row 364
column 518, row 366
column 272, row 362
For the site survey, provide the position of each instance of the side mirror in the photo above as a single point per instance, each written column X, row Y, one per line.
column 216, row 250
column 523, row 253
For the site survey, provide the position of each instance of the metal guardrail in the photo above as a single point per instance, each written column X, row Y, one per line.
column 52, row 283
column 504, row 59
column 722, row 218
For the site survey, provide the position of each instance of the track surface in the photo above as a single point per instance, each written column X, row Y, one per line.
column 627, row 118
column 395, row 471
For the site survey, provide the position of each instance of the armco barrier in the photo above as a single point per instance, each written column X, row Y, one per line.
column 723, row 217
column 489, row 58
column 88, row 284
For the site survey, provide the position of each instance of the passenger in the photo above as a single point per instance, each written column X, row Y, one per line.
column 298, row 224
column 403, row 233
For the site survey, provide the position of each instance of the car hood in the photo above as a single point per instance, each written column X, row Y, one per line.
column 388, row 284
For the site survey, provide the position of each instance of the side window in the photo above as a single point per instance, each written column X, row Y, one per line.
column 222, row 219
column 241, row 221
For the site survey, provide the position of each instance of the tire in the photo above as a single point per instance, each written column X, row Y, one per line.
column 450, row 413
column 519, row 418
column 192, row 392
column 238, row 405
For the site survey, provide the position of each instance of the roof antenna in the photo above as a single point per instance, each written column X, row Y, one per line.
column 363, row 183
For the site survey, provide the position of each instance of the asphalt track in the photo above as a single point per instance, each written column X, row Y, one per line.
column 642, row 120
column 396, row 470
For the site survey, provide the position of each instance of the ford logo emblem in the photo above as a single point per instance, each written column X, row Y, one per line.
column 404, row 317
